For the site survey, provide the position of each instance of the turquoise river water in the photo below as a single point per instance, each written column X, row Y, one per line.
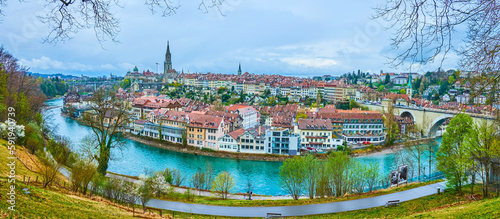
column 135, row 158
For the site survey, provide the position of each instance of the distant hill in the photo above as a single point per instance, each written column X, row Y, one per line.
column 59, row 75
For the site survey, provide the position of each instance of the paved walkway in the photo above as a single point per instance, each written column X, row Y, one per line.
column 300, row 210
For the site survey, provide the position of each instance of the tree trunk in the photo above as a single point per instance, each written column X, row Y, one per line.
column 103, row 160
column 430, row 161
column 473, row 182
column 486, row 182
column 419, row 167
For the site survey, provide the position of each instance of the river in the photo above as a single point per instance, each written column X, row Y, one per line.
column 137, row 158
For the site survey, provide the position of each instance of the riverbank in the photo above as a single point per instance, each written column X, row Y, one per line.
column 383, row 150
column 205, row 152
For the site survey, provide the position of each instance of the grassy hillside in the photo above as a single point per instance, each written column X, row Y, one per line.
column 53, row 202
column 444, row 205
column 481, row 209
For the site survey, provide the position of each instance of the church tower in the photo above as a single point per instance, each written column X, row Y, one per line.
column 167, row 65
column 409, row 89
column 239, row 70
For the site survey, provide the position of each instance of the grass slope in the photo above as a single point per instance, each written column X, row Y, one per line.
column 444, row 205
column 51, row 204
column 489, row 208
column 46, row 203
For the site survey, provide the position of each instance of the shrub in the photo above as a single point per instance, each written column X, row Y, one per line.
column 82, row 173
column 33, row 145
column 49, row 168
column 208, row 149
column 189, row 195
column 61, row 151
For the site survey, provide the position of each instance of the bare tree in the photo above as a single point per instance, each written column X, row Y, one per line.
column 425, row 31
column 198, row 180
column 48, row 169
column 177, row 176
column 65, row 18
column 416, row 150
column 108, row 117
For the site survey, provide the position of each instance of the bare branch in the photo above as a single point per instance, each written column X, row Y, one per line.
column 208, row 4
column 166, row 6
column 66, row 18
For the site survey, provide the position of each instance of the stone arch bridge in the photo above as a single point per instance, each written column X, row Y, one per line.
column 429, row 119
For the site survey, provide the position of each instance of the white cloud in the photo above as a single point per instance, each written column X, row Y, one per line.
column 43, row 63
column 310, row 62
column 46, row 63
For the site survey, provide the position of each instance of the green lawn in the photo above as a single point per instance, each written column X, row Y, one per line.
column 444, row 205
column 489, row 208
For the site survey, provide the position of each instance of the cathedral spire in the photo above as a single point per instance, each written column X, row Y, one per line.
column 167, row 65
column 239, row 69
column 168, row 47
column 409, row 89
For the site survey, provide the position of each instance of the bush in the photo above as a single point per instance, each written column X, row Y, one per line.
column 189, row 195
column 61, row 151
column 33, row 145
column 208, row 149
column 370, row 147
column 81, row 174
column 49, row 168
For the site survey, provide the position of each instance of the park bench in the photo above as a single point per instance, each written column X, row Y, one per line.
column 273, row 215
column 391, row 203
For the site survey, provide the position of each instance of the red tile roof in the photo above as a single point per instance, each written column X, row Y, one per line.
column 204, row 121
column 315, row 124
column 236, row 133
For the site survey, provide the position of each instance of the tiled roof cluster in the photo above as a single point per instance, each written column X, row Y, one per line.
column 282, row 121
column 204, row 121
column 228, row 117
column 353, row 116
column 315, row 124
column 247, row 78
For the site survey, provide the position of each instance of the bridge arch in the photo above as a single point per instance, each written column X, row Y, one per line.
column 431, row 130
column 407, row 113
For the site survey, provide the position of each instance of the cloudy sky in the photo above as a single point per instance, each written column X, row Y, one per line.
column 301, row 38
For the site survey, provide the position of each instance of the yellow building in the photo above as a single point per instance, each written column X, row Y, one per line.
column 203, row 131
